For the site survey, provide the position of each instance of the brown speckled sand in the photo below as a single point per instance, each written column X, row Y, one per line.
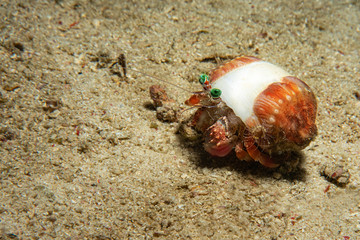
column 84, row 157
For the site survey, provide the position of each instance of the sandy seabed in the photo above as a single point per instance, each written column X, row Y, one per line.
column 83, row 155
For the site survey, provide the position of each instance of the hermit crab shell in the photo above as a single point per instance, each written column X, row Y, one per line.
column 279, row 109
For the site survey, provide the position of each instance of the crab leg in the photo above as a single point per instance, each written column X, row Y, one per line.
column 257, row 155
column 241, row 152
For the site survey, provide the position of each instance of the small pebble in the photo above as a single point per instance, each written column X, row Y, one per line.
column 336, row 174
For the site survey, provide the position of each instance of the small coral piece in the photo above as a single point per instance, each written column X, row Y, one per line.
column 159, row 96
column 165, row 109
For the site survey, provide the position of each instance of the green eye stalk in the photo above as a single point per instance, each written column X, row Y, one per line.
column 203, row 79
column 215, row 93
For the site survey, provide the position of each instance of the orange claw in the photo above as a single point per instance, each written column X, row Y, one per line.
column 217, row 140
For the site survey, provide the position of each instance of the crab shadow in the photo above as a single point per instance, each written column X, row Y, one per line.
column 291, row 170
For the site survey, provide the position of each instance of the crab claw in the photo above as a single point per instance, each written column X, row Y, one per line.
column 219, row 141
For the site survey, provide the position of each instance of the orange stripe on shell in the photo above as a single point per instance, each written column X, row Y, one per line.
column 231, row 65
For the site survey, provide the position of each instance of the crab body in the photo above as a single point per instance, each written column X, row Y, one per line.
column 262, row 113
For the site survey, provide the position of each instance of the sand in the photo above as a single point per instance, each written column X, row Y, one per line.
column 83, row 155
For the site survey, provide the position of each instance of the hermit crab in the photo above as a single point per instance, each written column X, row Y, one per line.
column 256, row 108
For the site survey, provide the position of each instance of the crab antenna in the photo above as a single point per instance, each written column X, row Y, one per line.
column 161, row 80
column 199, row 105
column 187, row 109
